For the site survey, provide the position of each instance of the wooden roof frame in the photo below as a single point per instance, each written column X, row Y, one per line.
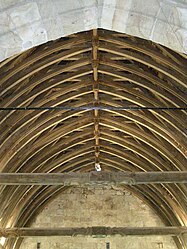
column 93, row 68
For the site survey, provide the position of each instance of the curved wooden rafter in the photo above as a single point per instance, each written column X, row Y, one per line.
column 91, row 69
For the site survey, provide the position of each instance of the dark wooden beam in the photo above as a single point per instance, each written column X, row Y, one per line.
column 92, row 231
column 95, row 64
column 93, row 178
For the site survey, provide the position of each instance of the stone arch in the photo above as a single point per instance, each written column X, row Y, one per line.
column 25, row 24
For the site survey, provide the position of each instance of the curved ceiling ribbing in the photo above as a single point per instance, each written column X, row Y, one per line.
column 131, row 72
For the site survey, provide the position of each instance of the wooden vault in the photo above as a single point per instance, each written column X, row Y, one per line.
column 93, row 98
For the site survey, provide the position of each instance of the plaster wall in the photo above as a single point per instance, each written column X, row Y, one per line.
column 82, row 207
column 27, row 23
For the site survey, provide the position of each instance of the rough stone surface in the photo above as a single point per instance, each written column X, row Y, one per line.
column 98, row 207
column 25, row 23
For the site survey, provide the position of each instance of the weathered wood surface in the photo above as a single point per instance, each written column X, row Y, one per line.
column 92, row 231
column 93, row 178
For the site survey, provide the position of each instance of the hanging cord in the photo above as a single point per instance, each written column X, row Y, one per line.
column 90, row 108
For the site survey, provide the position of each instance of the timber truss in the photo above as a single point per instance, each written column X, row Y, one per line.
column 97, row 99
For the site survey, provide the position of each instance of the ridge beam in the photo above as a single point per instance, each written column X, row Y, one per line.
column 95, row 63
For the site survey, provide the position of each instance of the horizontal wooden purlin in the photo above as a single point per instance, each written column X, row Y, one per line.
column 93, row 178
column 92, row 231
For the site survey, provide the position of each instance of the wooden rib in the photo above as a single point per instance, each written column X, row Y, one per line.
column 118, row 66
column 148, row 62
column 147, row 50
column 116, row 124
column 51, row 137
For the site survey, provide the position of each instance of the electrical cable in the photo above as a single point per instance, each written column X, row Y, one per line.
column 90, row 108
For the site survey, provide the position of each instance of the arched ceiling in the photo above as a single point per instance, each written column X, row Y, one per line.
column 92, row 69
column 25, row 24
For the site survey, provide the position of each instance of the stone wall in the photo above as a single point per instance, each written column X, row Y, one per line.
column 82, row 207
column 25, row 24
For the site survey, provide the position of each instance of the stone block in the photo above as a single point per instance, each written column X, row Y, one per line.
column 130, row 211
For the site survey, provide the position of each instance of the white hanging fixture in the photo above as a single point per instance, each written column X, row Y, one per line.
column 97, row 167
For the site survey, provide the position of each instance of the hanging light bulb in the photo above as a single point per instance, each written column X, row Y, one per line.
column 97, row 167
column 2, row 241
